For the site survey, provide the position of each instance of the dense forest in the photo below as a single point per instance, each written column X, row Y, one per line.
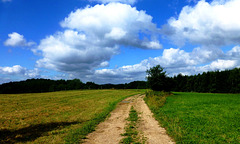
column 47, row 85
column 227, row 81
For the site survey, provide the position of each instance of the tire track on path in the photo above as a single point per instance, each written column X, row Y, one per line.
column 109, row 131
column 149, row 126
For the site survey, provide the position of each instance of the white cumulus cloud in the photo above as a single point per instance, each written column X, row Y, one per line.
column 216, row 23
column 19, row 70
column 116, row 34
column 93, row 35
column 234, row 52
column 222, row 64
column 115, row 23
column 174, row 61
column 71, row 51
column 16, row 39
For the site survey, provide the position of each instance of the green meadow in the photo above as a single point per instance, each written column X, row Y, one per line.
column 55, row 117
column 199, row 117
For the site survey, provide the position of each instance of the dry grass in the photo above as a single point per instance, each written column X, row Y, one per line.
column 49, row 117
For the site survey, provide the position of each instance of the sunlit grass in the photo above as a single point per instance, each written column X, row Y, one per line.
column 50, row 117
column 201, row 118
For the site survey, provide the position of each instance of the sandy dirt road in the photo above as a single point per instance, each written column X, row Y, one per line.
column 109, row 131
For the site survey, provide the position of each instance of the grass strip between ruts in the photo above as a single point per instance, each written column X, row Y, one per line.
column 131, row 128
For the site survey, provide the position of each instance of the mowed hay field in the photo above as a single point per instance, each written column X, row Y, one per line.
column 56, row 117
column 200, row 117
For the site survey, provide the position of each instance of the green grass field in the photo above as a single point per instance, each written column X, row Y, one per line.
column 200, row 117
column 56, row 117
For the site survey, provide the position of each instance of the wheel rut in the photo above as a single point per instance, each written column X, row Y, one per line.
column 109, row 131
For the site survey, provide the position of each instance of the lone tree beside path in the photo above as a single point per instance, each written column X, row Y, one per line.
column 157, row 79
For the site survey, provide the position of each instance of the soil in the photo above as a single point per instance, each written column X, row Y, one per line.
column 149, row 126
column 109, row 131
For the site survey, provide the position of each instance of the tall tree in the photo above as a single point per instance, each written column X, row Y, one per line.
column 157, row 79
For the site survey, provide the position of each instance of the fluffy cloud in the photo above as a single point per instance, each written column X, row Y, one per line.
column 19, row 70
column 234, row 53
column 93, row 35
column 220, row 65
column 175, row 58
column 123, row 74
column 122, row 1
column 215, row 23
column 71, row 51
column 174, row 61
column 15, row 39
column 171, row 60
column 115, row 23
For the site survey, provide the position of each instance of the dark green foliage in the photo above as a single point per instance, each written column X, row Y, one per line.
column 40, row 85
column 227, row 81
column 131, row 85
column 136, row 85
column 47, row 85
column 157, row 79
column 91, row 85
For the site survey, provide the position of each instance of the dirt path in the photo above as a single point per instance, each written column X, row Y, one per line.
column 149, row 126
column 109, row 131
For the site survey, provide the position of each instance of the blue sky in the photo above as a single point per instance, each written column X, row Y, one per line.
column 116, row 41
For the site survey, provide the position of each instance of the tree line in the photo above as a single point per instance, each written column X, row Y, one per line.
column 47, row 85
column 227, row 81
